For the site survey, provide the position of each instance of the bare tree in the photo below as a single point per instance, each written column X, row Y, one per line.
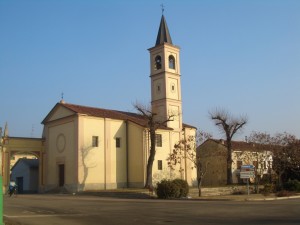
column 186, row 149
column 229, row 126
column 285, row 150
column 202, row 136
column 152, row 124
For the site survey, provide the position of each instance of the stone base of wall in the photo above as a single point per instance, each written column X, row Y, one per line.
column 216, row 191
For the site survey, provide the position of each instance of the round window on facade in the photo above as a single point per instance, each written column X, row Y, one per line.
column 60, row 143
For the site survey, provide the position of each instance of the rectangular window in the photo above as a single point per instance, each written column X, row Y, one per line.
column 118, row 142
column 159, row 164
column 158, row 140
column 95, row 141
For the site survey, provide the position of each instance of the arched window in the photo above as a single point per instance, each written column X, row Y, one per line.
column 171, row 62
column 158, row 62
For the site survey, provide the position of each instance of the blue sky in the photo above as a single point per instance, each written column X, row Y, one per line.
column 243, row 56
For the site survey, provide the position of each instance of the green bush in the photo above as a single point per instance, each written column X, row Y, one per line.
column 167, row 189
column 292, row 185
column 183, row 187
column 172, row 189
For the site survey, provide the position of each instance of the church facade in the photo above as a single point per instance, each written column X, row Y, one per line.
column 87, row 148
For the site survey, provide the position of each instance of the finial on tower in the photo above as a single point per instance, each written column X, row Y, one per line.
column 5, row 130
column 62, row 98
column 163, row 35
column 162, row 8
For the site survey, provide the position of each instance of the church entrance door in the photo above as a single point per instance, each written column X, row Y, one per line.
column 61, row 174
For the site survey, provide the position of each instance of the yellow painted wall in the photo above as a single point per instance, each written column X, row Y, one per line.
column 191, row 171
column 60, row 112
column 102, row 167
column 61, row 153
column 137, row 145
column 91, row 172
column 162, row 153
column 118, row 155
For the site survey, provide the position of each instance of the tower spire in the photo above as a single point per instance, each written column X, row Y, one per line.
column 5, row 130
column 165, row 79
column 163, row 35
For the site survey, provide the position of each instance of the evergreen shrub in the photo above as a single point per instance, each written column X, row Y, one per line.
column 183, row 187
column 167, row 189
column 292, row 185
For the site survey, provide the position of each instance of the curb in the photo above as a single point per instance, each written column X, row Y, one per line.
column 272, row 199
column 231, row 198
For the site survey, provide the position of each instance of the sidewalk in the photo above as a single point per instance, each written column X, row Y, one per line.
column 193, row 195
column 250, row 197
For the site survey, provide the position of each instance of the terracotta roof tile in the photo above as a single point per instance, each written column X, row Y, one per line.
column 106, row 113
column 240, row 145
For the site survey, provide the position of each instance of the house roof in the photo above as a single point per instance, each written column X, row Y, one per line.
column 239, row 145
column 31, row 163
column 107, row 113
column 163, row 35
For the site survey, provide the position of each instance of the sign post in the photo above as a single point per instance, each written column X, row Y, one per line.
column 247, row 172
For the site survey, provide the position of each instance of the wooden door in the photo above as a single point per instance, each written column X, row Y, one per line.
column 61, row 174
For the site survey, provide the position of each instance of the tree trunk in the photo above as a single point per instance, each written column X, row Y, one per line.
column 229, row 162
column 199, row 186
column 150, row 160
column 280, row 178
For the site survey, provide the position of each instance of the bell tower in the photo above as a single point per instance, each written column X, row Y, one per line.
column 165, row 78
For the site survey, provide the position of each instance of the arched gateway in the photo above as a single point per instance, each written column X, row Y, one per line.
column 11, row 146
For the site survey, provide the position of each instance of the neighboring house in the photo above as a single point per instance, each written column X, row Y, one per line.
column 243, row 153
column 89, row 148
column 26, row 173
column 14, row 158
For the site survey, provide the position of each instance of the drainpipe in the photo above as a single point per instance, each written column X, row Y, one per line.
column 104, row 152
column 127, row 169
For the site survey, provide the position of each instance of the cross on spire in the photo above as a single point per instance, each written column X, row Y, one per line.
column 162, row 8
column 62, row 98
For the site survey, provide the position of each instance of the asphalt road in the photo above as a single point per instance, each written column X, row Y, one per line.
column 73, row 210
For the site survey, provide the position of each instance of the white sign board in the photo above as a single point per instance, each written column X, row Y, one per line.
column 247, row 171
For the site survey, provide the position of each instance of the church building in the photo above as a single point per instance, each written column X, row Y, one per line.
column 88, row 148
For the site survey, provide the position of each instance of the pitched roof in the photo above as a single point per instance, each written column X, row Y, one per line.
column 31, row 163
column 108, row 113
column 239, row 145
column 163, row 35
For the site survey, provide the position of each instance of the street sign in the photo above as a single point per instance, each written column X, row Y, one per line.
column 247, row 171
column 247, row 174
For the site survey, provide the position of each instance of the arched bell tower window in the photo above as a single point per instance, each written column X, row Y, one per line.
column 158, row 62
column 171, row 62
